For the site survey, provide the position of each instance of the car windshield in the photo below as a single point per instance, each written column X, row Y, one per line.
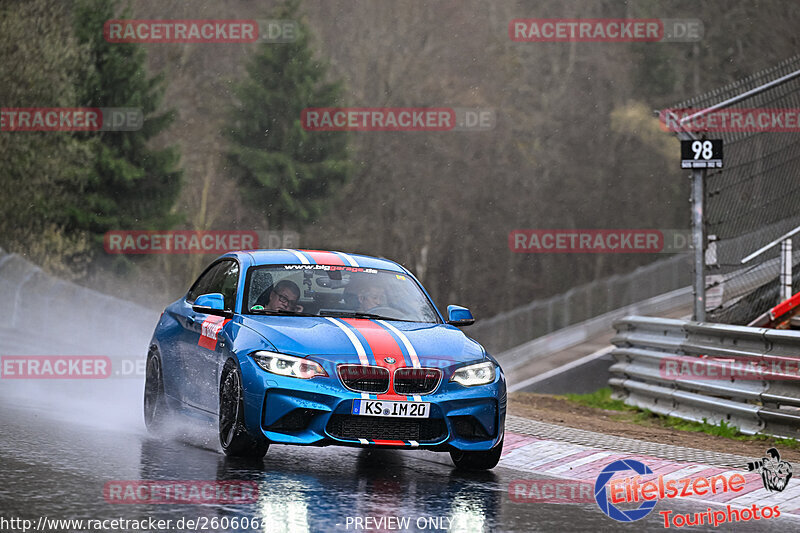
column 336, row 291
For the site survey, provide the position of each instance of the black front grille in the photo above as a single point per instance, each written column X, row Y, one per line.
column 362, row 378
column 353, row 427
column 411, row 381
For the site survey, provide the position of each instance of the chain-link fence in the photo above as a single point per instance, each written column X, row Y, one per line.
column 755, row 199
column 540, row 317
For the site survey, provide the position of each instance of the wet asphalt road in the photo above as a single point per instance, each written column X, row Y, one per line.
column 62, row 442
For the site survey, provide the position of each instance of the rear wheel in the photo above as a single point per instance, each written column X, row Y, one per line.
column 477, row 460
column 155, row 404
column 234, row 438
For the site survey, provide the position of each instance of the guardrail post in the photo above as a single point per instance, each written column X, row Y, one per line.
column 786, row 270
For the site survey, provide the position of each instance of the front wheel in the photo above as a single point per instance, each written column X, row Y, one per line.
column 477, row 460
column 233, row 436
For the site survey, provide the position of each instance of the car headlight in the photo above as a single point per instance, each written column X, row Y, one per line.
column 479, row 374
column 288, row 365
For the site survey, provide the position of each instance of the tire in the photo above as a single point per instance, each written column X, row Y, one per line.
column 234, row 438
column 477, row 460
column 155, row 404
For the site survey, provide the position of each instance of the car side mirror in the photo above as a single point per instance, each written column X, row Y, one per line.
column 459, row 316
column 212, row 304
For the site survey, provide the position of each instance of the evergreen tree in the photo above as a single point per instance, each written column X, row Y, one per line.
column 286, row 172
column 41, row 172
column 132, row 185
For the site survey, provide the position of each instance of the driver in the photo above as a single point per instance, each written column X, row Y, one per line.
column 371, row 297
column 284, row 296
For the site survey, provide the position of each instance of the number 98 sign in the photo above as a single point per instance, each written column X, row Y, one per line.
column 701, row 154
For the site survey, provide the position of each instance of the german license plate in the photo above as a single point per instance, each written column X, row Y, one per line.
column 398, row 409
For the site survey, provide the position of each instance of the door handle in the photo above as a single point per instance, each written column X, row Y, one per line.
column 190, row 320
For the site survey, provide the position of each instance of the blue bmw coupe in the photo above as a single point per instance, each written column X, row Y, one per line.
column 318, row 348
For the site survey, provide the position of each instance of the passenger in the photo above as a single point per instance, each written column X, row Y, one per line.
column 371, row 297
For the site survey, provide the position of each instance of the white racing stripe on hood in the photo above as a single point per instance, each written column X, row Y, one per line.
column 362, row 354
column 412, row 353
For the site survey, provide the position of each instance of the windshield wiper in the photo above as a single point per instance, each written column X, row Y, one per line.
column 358, row 314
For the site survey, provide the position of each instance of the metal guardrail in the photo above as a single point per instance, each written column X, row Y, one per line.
column 766, row 402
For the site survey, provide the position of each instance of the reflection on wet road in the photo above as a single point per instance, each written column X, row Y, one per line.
column 59, row 450
column 57, row 464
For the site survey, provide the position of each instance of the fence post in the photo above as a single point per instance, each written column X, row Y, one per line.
column 786, row 270
column 698, row 241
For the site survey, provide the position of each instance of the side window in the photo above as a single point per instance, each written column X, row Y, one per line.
column 228, row 280
column 260, row 281
column 211, row 281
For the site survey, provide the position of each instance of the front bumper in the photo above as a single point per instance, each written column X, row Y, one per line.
column 317, row 412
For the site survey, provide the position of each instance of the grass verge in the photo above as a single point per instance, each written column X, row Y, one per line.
column 601, row 399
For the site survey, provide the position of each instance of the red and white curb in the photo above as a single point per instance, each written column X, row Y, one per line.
column 584, row 463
